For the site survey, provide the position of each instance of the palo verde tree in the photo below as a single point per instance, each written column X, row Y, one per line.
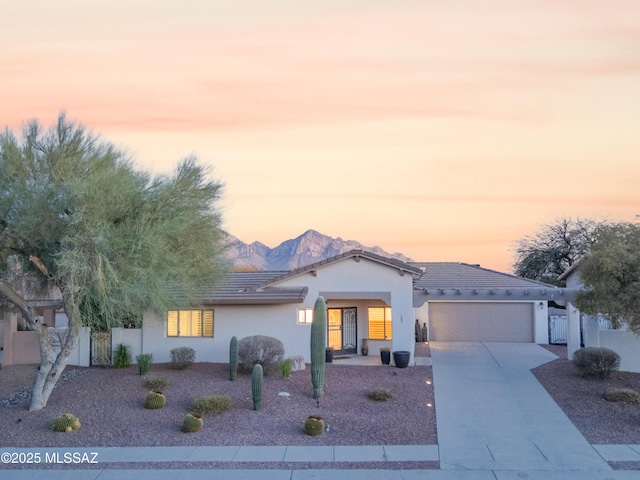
column 110, row 238
column 611, row 276
column 555, row 247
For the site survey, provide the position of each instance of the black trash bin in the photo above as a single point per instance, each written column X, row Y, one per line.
column 401, row 358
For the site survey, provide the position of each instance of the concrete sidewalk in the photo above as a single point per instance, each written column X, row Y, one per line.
column 329, row 474
column 321, row 454
column 494, row 415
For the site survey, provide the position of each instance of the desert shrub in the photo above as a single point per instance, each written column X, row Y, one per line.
column 260, row 349
column 144, row 362
column 157, row 383
column 285, row 368
column 596, row 361
column 380, row 394
column 182, row 357
column 619, row 394
column 122, row 356
column 213, row 405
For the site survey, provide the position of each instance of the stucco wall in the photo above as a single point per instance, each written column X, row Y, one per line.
column 368, row 281
column 81, row 354
column 279, row 321
column 345, row 283
column 26, row 348
column 626, row 345
column 132, row 337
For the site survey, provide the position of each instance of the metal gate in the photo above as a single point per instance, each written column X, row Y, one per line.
column 558, row 329
column 101, row 348
column 342, row 329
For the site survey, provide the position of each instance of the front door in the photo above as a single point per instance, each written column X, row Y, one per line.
column 342, row 329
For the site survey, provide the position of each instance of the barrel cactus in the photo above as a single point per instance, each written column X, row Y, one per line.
column 233, row 358
column 155, row 400
column 192, row 423
column 256, row 387
column 314, row 425
column 318, row 344
column 65, row 423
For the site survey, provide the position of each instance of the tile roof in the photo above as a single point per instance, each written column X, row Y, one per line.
column 241, row 288
column 356, row 253
column 258, row 288
column 464, row 275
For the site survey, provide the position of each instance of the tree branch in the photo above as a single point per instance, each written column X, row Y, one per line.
column 7, row 291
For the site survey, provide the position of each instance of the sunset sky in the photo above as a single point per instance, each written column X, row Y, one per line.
column 442, row 130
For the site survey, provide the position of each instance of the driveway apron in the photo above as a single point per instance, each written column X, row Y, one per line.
column 493, row 414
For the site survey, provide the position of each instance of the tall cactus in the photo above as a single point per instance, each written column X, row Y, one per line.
column 256, row 386
column 233, row 358
column 318, row 345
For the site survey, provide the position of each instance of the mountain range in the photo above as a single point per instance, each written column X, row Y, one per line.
column 308, row 248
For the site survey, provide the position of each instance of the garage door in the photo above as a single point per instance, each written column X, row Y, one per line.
column 481, row 322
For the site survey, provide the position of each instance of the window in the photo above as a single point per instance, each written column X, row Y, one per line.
column 190, row 323
column 380, row 323
column 305, row 316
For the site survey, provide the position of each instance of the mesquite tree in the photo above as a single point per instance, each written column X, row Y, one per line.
column 108, row 237
column 611, row 276
column 318, row 346
column 555, row 247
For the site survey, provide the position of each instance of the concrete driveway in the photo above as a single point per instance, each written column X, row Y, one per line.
column 493, row 414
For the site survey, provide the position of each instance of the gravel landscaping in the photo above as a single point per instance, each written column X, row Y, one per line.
column 582, row 400
column 110, row 405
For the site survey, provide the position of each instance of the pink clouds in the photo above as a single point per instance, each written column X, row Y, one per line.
column 365, row 64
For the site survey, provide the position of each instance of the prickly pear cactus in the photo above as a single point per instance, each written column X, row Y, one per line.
column 65, row 423
column 233, row 358
column 318, row 345
column 256, row 386
column 155, row 400
column 192, row 423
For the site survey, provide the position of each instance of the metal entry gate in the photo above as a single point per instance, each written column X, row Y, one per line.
column 342, row 329
column 101, row 348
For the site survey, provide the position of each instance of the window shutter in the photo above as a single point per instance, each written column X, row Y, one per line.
column 387, row 323
column 380, row 323
column 376, row 323
column 207, row 323
column 184, row 323
column 172, row 324
column 196, row 323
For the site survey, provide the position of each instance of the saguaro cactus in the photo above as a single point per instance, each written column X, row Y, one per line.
column 233, row 358
column 256, row 386
column 318, row 344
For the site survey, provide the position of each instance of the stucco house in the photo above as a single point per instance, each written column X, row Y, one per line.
column 621, row 340
column 368, row 297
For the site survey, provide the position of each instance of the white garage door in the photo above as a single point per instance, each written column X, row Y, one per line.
column 481, row 322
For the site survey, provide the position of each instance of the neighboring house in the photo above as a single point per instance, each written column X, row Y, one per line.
column 622, row 341
column 462, row 302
